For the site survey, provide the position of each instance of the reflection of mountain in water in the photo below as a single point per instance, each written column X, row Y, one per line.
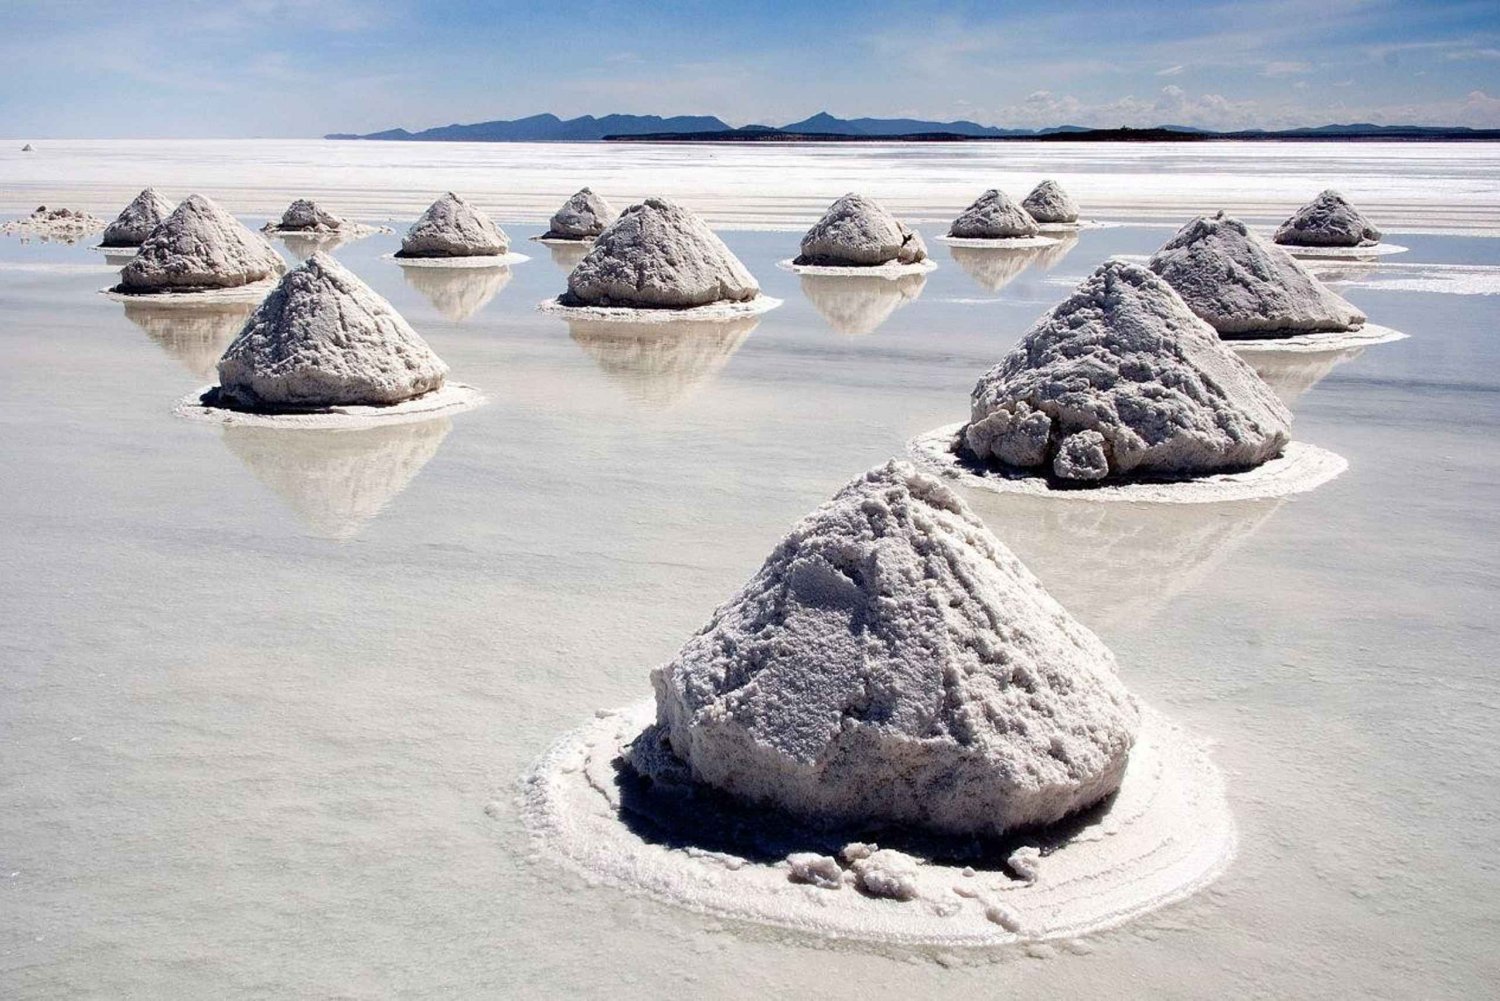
column 859, row 304
column 337, row 481
column 304, row 245
column 661, row 364
column 567, row 255
column 1117, row 565
column 458, row 293
column 1292, row 373
column 993, row 268
column 196, row 335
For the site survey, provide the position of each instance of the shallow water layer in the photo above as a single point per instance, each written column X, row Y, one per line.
column 264, row 703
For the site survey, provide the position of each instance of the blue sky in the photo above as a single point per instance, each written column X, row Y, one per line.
column 87, row 68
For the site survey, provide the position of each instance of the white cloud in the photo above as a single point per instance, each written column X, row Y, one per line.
column 1171, row 70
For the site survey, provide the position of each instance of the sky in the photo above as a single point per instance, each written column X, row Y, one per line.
column 293, row 68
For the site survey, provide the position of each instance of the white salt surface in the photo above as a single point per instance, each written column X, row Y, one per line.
column 1300, row 468
column 1167, row 834
column 476, row 261
column 452, row 398
column 1010, row 241
column 713, row 311
column 253, row 292
column 890, row 269
column 1447, row 279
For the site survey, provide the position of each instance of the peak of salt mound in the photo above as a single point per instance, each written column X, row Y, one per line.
column 323, row 338
column 199, row 246
column 583, row 216
column 993, row 216
column 858, row 232
column 1246, row 287
column 304, row 214
column 451, row 227
column 659, row 255
column 1328, row 221
column 893, row 662
column 1048, row 202
column 137, row 220
column 1122, row 379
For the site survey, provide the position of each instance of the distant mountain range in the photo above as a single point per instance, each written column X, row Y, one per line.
column 824, row 127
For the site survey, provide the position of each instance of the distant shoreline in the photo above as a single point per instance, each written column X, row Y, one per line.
column 1091, row 135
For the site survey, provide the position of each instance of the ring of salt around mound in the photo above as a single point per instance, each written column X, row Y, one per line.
column 890, row 269
column 349, row 231
column 477, row 261
column 116, row 251
column 1165, row 835
column 563, row 241
column 1073, row 227
column 452, row 398
column 711, row 311
column 1009, row 241
column 1326, row 340
column 253, row 292
column 1298, row 469
column 1374, row 250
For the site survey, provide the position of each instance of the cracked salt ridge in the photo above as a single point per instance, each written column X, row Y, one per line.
column 1300, row 467
column 1009, row 241
column 721, row 310
column 475, row 261
column 890, row 269
column 452, row 398
column 1165, row 835
column 253, row 292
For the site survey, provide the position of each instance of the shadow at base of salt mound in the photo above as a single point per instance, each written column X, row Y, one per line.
column 671, row 810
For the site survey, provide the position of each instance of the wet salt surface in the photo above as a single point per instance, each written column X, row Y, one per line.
column 265, row 701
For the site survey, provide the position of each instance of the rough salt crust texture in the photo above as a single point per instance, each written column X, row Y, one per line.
column 1121, row 379
column 858, row 232
column 451, row 227
column 1049, row 203
column 199, row 247
column 1328, row 221
column 324, row 339
column 1246, row 287
column 993, row 216
column 582, row 217
column 53, row 225
column 136, row 221
column 659, row 255
column 893, row 662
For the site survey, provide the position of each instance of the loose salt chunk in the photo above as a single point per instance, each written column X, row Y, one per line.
column 856, row 850
column 887, row 873
column 819, row 870
column 1004, row 917
column 1026, row 862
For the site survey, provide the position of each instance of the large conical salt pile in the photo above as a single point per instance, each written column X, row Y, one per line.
column 893, row 662
column 1246, row 287
column 659, row 255
column 1328, row 221
column 137, row 220
column 858, row 232
column 1048, row 202
column 582, row 217
column 451, row 227
column 1121, row 379
column 993, row 216
column 306, row 216
column 323, row 338
column 199, row 247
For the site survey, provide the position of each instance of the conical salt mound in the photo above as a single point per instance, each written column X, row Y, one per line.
column 139, row 218
column 893, row 662
column 582, row 217
column 858, row 232
column 323, row 338
column 199, row 246
column 451, row 227
column 1048, row 202
column 1328, row 221
column 306, row 216
column 1246, row 287
column 659, row 255
column 1121, row 379
column 993, row 216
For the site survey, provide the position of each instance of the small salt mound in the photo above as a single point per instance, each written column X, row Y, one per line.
column 27, row 148
column 1122, row 379
column 857, row 232
column 1328, row 221
column 582, row 217
column 199, row 246
column 323, row 339
column 993, row 216
column 139, row 218
column 306, row 216
column 1246, row 287
column 61, row 225
column 659, row 255
column 892, row 662
column 451, row 227
column 1048, row 202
